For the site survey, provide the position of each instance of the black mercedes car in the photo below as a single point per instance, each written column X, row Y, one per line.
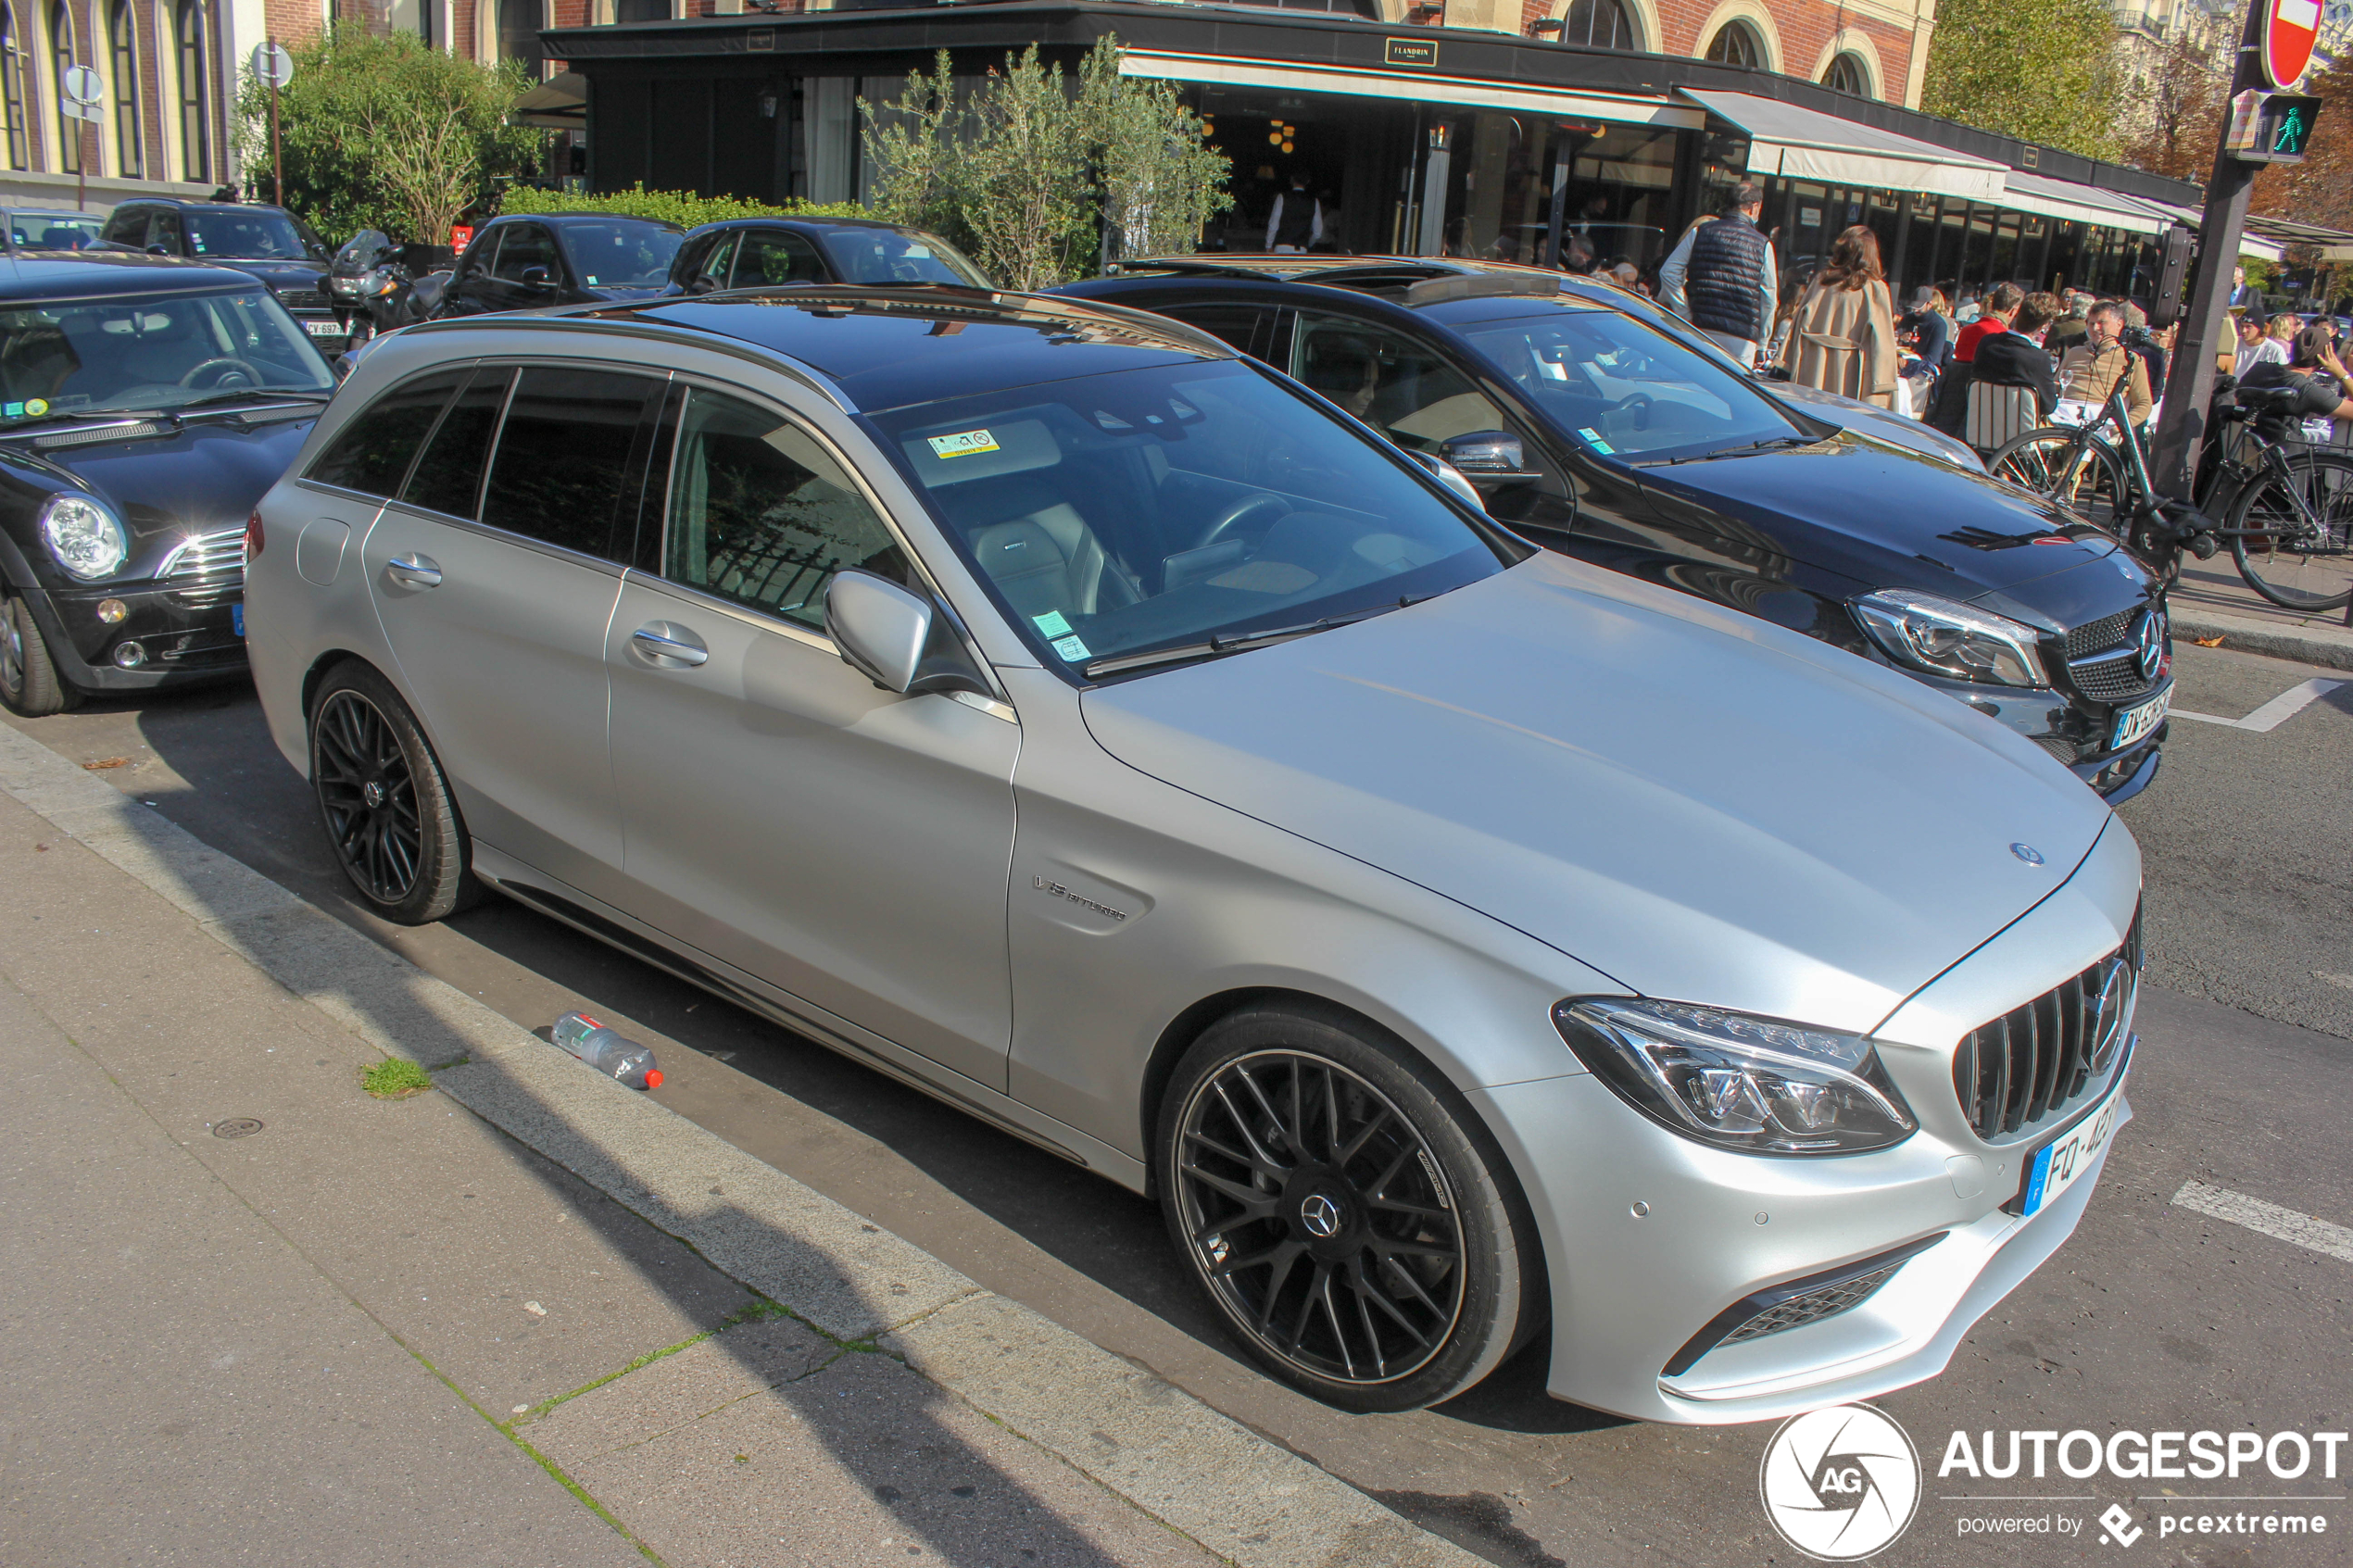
column 146, row 405
column 526, row 260
column 268, row 242
column 748, row 253
column 1597, row 434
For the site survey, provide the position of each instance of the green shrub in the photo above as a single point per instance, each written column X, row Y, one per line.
column 682, row 208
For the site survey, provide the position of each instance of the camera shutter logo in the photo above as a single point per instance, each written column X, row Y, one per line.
column 1840, row 1484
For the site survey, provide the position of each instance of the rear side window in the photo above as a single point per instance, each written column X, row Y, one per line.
column 372, row 453
column 564, row 452
column 448, row 477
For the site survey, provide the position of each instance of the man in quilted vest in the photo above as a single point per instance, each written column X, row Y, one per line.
column 1724, row 273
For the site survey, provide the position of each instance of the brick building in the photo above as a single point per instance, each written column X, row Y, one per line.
column 167, row 79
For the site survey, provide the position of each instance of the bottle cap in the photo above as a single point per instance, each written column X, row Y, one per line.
column 653, row 1077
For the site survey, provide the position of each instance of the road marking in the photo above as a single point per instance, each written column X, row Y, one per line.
column 2283, row 1224
column 2272, row 714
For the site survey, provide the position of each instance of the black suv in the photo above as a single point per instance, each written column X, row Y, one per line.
column 269, row 241
column 750, row 253
column 1599, row 435
column 523, row 261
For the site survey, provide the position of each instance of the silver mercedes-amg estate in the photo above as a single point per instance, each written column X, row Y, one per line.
column 1093, row 728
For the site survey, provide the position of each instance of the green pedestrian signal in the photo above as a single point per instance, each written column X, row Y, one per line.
column 2272, row 127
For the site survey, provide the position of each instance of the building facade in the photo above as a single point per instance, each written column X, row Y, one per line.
column 168, row 84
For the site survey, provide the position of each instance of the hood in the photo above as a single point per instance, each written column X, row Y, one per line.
column 1878, row 515
column 1700, row 804
column 1879, row 424
column 204, row 477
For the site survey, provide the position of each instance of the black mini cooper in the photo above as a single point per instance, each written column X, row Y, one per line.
column 144, row 406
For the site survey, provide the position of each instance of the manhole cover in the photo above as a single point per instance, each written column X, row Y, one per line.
column 236, row 1127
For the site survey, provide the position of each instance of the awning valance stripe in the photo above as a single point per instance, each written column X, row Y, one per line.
column 1433, row 89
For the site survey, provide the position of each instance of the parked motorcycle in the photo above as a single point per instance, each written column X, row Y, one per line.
column 372, row 291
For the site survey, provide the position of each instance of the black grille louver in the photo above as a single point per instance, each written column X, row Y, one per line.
column 2039, row 1057
column 2112, row 680
column 2098, row 637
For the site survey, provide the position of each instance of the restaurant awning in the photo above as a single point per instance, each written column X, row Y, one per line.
column 2081, row 204
column 561, row 103
column 1224, row 71
column 1799, row 143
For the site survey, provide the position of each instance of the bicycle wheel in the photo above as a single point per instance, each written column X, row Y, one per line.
column 2299, row 557
column 2062, row 465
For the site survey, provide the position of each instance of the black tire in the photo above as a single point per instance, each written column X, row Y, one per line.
column 2287, row 561
column 2059, row 464
column 30, row 684
column 383, row 802
column 1430, row 1276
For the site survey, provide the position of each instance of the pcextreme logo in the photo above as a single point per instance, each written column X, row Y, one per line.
column 1840, row 1484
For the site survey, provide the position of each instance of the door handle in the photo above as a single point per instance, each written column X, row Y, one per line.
column 661, row 640
column 414, row 570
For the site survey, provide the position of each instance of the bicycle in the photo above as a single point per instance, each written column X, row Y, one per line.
column 2289, row 511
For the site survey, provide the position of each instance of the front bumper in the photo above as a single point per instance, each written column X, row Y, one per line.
column 185, row 642
column 1649, row 1237
column 2073, row 729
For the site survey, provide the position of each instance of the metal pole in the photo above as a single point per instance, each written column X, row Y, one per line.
column 277, row 153
column 2189, row 386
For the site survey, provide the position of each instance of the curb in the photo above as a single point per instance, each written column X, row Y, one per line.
column 2328, row 646
column 1203, row 1475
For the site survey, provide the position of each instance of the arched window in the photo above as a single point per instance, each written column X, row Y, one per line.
column 1848, row 75
column 519, row 25
column 1603, row 24
column 61, row 58
column 12, row 86
column 1737, row 44
column 122, row 42
column 196, row 93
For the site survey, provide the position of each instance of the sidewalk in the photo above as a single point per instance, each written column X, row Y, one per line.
column 2213, row 600
column 526, row 1317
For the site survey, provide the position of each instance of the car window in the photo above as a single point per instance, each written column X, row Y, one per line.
column 563, row 452
column 1406, row 391
column 1147, row 508
column 713, row 261
column 523, row 245
column 894, row 255
column 762, row 514
column 626, row 253
column 776, row 256
column 448, row 477
column 1623, row 388
column 165, row 232
column 1233, row 324
column 372, row 453
column 150, row 352
column 481, row 255
column 128, row 226
column 53, row 231
column 250, row 233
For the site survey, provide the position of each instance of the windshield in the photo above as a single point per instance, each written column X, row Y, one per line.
column 1150, row 508
column 624, row 254
column 53, row 231
column 1624, row 389
column 252, row 234
column 150, row 353
column 889, row 256
column 365, row 249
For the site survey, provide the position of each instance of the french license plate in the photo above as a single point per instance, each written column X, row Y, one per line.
column 2057, row 1164
column 323, row 329
column 237, row 619
column 2134, row 723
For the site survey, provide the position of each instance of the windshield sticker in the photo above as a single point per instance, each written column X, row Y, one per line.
column 1052, row 624
column 1071, row 649
column 964, row 444
column 1593, row 439
column 592, row 277
column 36, row 406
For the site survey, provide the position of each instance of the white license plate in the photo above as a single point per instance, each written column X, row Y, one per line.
column 323, row 329
column 2055, row 1166
column 2134, row 723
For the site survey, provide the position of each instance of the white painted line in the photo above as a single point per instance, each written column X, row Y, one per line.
column 2283, row 1224
column 2272, row 714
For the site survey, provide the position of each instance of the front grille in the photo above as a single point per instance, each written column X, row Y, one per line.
column 2112, row 680
column 208, row 568
column 302, row 299
column 1814, row 1306
column 2098, row 637
column 2040, row 1061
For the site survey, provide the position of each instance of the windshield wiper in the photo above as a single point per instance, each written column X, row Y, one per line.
column 1216, row 647
column 214, row 400
column 1768, row 445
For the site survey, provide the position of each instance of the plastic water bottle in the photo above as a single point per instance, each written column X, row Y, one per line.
column 614, row 1055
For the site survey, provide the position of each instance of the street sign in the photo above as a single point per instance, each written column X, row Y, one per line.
column 81, row 85
column 274, row 66
column 90, row 112
column 2290, row 29
column 2270, row 127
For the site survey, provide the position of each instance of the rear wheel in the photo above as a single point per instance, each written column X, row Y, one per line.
column 383, row 802
column 30, row 684
column 1344, row 1213
column 2061, row 465
column 2300, row 558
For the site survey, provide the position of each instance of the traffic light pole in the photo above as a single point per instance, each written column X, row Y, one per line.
column 2189, row 385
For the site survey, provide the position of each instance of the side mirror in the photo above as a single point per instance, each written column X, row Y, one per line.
column 703, row 284
column 159, row 250
column 880, row 628
column 536, row 278
column 1485, row 452
column 1448, row 475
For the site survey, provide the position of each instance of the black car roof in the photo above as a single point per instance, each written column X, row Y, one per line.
column 85, row 274
column 563, row 220
column 891, row 347
column 204, row 207
column 797, row 220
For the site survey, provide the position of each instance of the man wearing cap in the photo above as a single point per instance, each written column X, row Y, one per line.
column 1724, row 273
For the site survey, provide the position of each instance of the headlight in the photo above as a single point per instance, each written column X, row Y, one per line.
column 1752, row 1085
column 85, row 538
column 1945, row 638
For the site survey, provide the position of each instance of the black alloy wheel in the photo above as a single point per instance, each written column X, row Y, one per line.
column 385, row 807
column 1338, row 1214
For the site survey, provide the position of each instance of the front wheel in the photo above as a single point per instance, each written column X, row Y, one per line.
column 382, row 800
column 30, row 684
column 1344, row 1213
column 2299, row 557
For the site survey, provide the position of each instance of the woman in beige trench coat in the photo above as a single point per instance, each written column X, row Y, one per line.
column 1844, row 336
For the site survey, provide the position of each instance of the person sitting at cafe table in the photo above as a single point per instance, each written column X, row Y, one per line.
column 2093, row 368
column 2015, row 356
column 2317, row 372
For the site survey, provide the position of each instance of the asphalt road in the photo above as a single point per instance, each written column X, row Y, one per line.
column 2155, row 1316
